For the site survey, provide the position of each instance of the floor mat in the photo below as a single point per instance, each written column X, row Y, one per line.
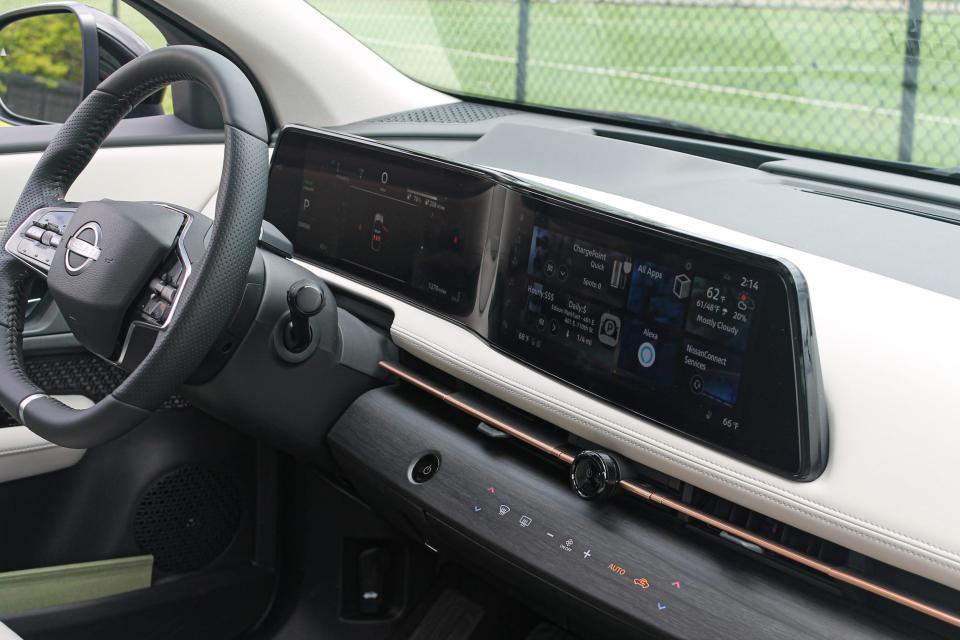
column 452, row 617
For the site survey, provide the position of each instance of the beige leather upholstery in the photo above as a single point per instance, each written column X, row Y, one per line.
column 182, row 174
column 24, row 453
column 7, row 634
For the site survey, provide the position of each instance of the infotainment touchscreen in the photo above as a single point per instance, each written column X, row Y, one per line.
column 680, row 333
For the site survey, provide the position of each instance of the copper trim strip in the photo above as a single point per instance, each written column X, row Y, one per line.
column 652, row 496
column 476, row 413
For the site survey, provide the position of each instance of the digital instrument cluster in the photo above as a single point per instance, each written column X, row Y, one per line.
column 710, row 341
column 393, row 220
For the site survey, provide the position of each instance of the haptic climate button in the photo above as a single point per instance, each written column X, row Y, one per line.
column 594, row 474
column 425, row 468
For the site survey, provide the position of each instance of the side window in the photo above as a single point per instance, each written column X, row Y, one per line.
column 28, row 63
column 142, row 27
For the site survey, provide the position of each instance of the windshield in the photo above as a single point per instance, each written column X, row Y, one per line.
column 873, row 78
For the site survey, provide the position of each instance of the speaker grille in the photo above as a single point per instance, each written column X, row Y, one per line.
column 187, row 518
column 81, row 374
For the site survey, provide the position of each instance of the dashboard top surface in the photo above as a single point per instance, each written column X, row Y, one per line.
column 885, row 233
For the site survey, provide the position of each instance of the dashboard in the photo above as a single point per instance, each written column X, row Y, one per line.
column 709, row 340
column 476, row 334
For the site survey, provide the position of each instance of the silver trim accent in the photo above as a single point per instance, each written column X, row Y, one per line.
column 187, row 269
column 14, row 240
column 25, row 402
column 84, row 249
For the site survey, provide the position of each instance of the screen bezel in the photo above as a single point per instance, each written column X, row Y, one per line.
column 810, row 432
column 811, row 425
column 293, row 150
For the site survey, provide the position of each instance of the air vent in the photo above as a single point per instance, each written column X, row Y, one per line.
column 765, row 527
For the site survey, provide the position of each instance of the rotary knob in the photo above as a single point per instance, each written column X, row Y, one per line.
column 594, row 474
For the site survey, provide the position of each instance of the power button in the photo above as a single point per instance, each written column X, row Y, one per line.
column 425, row 468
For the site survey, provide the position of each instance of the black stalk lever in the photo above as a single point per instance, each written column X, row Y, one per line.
column 305, row 300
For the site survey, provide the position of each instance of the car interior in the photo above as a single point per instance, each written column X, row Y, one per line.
column 298, row 345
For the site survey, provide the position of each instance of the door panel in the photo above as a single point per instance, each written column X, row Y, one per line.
column 181, row 487
column 185, row 174
column 191, row 491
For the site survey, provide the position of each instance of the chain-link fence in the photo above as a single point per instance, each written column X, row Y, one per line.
column 878, row 78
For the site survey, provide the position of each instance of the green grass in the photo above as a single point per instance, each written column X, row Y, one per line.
column 827, row 79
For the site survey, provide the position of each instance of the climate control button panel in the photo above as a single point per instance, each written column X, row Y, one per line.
column 494, row 503
column 558, row 542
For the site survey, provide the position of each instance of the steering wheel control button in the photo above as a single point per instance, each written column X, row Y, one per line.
column 165, row 291
column 425, row 468
column 594, row 474
column 55, row 220
column 37, row 238
column 34, row 232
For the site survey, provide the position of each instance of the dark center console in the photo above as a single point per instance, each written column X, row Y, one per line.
column 712, row 341
column 602, row 568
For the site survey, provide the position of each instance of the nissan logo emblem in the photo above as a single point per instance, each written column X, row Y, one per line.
column 83, row 248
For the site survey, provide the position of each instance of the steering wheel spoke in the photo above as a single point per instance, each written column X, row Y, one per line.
column 36, row 240
column 155, row 306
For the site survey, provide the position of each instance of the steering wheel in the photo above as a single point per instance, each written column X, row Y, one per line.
column 146, row 285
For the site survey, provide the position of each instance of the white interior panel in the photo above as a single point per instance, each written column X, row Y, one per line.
column 24, row 454
column 335, row 79
column 180, row 174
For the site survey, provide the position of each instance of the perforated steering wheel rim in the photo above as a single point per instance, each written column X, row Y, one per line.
column 213, row 291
